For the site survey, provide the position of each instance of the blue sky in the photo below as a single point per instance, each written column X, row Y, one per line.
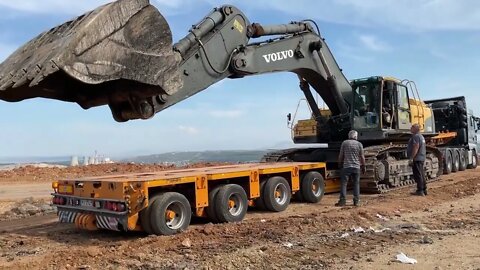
column 432, row 42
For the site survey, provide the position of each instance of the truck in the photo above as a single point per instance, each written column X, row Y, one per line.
column 121, row 55
column 452, row 115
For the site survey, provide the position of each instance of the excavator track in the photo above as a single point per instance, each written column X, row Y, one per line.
column 386, row 165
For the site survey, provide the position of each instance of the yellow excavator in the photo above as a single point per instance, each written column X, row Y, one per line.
column 121, row 55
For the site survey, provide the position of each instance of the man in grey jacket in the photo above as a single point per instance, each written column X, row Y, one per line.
column 416, row 151
column 352, row 161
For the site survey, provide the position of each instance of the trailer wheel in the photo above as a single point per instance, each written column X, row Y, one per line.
column 447, row 168
column 455, row 160
column 211, row 213
column 231, row 203
column 474, row 160
column 170, row 213
column 312, row 187
column 260, row 202
column 463, row 160
column 298, row 196
column 145, row 220
column 277, row 194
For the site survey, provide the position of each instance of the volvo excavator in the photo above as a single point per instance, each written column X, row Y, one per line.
column 121, row 55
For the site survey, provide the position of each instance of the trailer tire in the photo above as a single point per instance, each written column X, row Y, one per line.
column 298, row 196
column 260, row 202
column 170, row 214
column 463, row 160
column 312, row 187
column 474, row 161
column 231, row 203
column 447, row 166
column 144, row 216
column 277, row 194
column 455, row 160
column 211, row 213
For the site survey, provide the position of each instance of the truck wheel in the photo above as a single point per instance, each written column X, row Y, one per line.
column 455, row 160
column 170, row 213
column 474, row 160
column 277, row 194
column 260, row 202
column 312, row 187
column 231, row 203
column 447, row 166
column 145, row 220
column 211, row 213
column 463, row 160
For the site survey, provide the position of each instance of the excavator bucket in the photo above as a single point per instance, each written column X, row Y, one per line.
column 105, row 56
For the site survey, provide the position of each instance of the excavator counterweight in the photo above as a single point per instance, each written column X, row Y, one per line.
column 117, row 52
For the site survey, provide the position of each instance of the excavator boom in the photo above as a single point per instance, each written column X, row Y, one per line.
column 121, row 54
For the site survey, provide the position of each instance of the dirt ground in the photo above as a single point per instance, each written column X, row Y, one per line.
column 440, row 231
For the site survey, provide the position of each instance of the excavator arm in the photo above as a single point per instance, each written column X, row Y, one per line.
column 121, row 54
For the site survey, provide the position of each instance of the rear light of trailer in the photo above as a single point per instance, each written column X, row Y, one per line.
column 114, row 206
column 59, row 200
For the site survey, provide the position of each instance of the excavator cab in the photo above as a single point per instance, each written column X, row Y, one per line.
column 381, row 109
column 384, row 107
column 380, row 104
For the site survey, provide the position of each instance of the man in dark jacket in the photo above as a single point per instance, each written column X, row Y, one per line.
column 417, row 151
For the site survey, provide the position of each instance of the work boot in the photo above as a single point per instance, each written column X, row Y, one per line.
column 340, row 203
column 418, row 193
column 425, row 192
column 356, row 203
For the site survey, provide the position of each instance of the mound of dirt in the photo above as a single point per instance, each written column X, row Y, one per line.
column 49, row 174
column 27, row 208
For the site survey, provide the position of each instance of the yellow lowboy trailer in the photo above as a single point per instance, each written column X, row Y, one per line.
column 162, row 203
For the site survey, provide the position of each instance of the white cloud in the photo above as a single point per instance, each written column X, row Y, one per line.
column 52, row 6
column 226, row 113
column 364, row 48
column 374, row 44
column 188, row 130
column 417, row 15
column 79, row 7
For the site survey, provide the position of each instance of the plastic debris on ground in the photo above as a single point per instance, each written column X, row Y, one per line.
column 345, row 235
column 404, row 259
column 382, row 217
column 379, row 230
column 288, row 245
column 263, row 220
column 358, row 230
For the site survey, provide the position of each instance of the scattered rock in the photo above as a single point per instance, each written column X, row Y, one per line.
column 187, row 243
column 208, row 229
column 426, row 240
column 26, row 209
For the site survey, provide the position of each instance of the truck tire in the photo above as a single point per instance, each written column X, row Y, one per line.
column 447, row 166
column 463, row 160
column 231, row 203
column 144, row 216
column 312, row 187
column 260, row 202
column 455, row 160
column 277, row 194
column 170, row 214
column 474, row 161
column 211, row 213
